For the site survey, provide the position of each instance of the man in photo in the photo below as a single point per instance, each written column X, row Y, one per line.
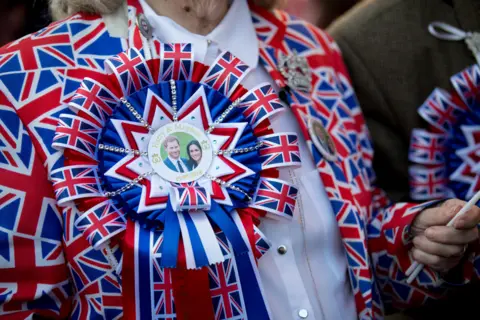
column 173, row 161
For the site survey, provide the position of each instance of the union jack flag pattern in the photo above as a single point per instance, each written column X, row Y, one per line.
column 428, row 182
column 76, row 133
column 75, row 182
column 193, row 197
column 280, row 150
column 262, row 245
column 131, row 69
column 440, row 111
column 69, row 278
column 451, row 153
column 276, row 197
column 225, row 291
column 176, row 61
column 260, row 103
column 427, row 147
column 226, row 73
column 100, row 223
column 93, row 98
column 466, row 83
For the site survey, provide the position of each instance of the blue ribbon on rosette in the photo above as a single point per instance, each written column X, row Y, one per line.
column 166, row 217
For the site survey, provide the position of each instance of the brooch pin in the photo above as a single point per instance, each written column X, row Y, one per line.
column 296, row 71
column 321, row 139
column 144, row 26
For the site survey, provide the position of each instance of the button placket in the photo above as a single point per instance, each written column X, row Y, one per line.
column 284, row 258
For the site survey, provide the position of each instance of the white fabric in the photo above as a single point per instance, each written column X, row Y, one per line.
column 311, row 278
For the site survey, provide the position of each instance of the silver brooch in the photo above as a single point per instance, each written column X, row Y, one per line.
column 144, row 26
column 296, row 71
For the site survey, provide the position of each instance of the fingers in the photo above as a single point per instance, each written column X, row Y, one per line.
column 438, row 249
column 470, row 219
column 449, row 235
column 437, row 263
column 438, row 216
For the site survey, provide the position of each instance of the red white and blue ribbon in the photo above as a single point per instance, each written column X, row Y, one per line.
column 100, row 223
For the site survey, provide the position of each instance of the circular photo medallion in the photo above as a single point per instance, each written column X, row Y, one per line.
column 321, row 139
column 180, row 152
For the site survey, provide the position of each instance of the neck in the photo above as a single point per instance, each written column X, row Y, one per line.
column 197, row 16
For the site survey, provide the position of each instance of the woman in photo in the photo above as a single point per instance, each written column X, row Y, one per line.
column 194, row 152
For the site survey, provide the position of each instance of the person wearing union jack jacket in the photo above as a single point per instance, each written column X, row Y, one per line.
column 280, row 217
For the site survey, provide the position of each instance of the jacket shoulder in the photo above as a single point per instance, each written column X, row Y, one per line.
column 371, row 15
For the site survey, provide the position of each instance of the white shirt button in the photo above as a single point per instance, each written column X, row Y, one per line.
column 209, row 42
column 282, row 249
column 303, row 313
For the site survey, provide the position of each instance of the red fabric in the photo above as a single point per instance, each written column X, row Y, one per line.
column 191, row 291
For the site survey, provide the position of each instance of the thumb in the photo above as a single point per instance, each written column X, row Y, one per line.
column 441, row 215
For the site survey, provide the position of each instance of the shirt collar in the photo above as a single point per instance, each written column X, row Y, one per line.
column 234, row 33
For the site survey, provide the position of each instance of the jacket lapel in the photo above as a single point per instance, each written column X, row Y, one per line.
column 323, row 104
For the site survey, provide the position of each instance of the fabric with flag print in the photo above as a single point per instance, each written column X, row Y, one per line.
column 41, row 73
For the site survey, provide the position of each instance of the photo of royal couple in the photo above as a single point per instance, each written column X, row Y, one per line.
column 179, row 160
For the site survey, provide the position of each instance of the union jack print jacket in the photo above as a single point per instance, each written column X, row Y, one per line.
column 47, row 266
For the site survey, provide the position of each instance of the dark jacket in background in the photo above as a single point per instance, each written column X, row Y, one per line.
column 395, row 63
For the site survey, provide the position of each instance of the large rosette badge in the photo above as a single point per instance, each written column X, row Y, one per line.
column 446, row 156
column 178, row 147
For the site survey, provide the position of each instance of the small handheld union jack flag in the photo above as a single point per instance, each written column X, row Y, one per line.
column 226, row 73
column 101, row 222
column 280, row 150
column 176, row 61
column 276, row 197
column 260, row 103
